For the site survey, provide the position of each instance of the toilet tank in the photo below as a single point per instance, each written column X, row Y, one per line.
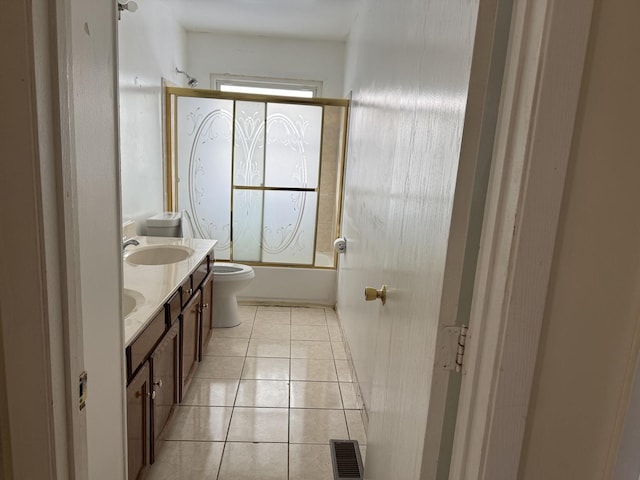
column 165, row 224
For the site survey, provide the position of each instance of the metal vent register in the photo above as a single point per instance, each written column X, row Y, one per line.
column 345, row 456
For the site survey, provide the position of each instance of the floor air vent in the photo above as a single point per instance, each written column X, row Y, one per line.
column 345, row 456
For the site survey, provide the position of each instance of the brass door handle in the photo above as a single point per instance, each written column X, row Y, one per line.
column 371, row 294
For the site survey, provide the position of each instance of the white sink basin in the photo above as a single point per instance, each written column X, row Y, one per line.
column 130, row 300
column 158, row 255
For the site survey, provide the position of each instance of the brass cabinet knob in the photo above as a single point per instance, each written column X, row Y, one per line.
column 371, row 294
column 158, row 384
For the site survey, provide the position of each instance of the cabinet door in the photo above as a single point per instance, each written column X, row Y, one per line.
column 189, row 340
column 138, row 415
column 164, row 375
column 206, row 321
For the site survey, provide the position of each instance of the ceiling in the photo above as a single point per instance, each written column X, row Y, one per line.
column 307, row 19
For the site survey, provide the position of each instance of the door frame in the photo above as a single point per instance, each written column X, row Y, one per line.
column 41, row 320
column 541, row 88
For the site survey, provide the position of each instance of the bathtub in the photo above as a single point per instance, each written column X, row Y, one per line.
column 292, row 285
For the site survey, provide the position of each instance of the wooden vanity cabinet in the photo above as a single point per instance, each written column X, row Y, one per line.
column 161, row 362
column 190, row 329
column 206, row 321
column 164, row 383
column 138, row 422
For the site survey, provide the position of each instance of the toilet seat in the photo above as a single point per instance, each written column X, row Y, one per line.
column 229, row 272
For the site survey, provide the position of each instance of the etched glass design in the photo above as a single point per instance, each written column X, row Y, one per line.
column 293, row 145
column 289, row 227
column 204, row 168
column 248, row 162
column 247, row 225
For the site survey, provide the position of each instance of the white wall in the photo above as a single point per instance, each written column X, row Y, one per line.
column 589, row 343
column 321, row 60
column 151, row 46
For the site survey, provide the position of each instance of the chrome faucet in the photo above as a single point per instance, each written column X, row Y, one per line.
column 126, row 243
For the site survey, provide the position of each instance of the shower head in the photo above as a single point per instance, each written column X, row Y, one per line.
column 192, row 82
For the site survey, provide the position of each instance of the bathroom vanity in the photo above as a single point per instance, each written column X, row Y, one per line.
column 167, row 323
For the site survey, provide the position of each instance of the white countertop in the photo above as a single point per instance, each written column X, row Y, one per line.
column 156, row 283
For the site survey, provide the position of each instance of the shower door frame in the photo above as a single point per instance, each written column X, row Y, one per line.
column 171, row 178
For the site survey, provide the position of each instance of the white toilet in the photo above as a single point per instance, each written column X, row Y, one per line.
column 228, row 280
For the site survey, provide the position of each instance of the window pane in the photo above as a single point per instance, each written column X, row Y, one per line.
column 204, row 167
column 247, row 225
column 293, row 145
column 285, row 92
column 248, row 162
column 289, row 227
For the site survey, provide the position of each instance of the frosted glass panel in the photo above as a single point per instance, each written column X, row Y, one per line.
column 248, row 167
column 293, row 145
column 289, row 227
column 247, row 225
column 203, row 150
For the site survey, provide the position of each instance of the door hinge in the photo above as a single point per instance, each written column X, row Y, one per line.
column 452, row 347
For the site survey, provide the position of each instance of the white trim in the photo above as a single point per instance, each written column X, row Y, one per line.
column 70, row 282
column 540, row 95
column 35, row 421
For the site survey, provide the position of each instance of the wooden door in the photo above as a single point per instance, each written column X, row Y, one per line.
column 164, row 375
column 408, row 190
column 190, row 339
column 138, row 416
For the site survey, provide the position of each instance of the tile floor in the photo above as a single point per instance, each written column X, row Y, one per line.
column 264, row 402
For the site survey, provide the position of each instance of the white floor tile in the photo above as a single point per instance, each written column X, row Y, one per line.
column 313, row 369
column 239, row 331
column 339, row 352
column 311, row 349
column 269, row 348
column 310, row 332
column 355, row 426
column 211, row 392
column 344, row 371
column 348, row 395
column 187, row 461
column 271, row 331
column 266, row 368
column 228, row 347
column 219, row 367
column 254, row 461
column 263, row 393
column 316, row 426
column 259, row 425
column 315, row 395
column 310, row 462
column 199, row 423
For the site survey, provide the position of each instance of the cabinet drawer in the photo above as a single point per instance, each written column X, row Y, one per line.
column 186, row 291
column 142, row 346
column 200, row 273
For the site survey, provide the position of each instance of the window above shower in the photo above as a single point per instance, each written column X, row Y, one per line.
column 260, row 174
column 266, row 85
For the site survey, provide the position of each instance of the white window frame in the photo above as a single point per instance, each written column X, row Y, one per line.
column 313, row 86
